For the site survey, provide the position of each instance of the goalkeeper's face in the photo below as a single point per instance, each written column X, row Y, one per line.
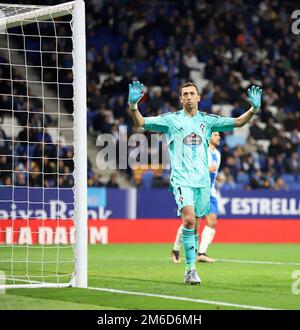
column 189, row 98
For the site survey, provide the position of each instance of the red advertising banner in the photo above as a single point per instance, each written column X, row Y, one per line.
column 29, row 232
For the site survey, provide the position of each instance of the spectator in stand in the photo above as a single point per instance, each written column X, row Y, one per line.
column 295, row 138
column 280, row 185
column 292, row 165
column 35, row 177
column 257, row 180
column 270, row 130
column 255, row 131
column 232, row 166
column 237, row 110
column 20, row 179
column 275, row 148
column 112, row 183
column 290, row 122
column 279, row 164
column 4, row 146
column 229, row 183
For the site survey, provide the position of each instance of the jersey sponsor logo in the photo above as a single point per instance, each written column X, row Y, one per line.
column 192, row 139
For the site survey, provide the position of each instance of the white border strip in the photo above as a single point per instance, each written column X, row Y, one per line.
column 209, row 302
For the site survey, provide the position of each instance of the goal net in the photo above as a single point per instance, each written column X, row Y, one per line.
column 43, row 203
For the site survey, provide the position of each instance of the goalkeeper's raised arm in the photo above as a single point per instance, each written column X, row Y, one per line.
column 254, row 97
column 134, row 96
column 136, row 93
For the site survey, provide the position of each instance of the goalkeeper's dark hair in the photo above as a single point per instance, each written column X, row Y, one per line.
column 189, row 84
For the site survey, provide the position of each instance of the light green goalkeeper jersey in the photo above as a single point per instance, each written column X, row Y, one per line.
column 187, row 139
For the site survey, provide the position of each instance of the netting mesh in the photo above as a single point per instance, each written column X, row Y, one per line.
column 36, row 146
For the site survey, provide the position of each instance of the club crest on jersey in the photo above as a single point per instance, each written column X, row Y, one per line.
column 192, row 140
column 202, row 128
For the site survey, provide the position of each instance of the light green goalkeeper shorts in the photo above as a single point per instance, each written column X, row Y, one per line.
column 198, row 197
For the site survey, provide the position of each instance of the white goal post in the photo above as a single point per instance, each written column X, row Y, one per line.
column 43, row 146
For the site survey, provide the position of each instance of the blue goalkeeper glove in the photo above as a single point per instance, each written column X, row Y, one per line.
column 254, row 94
column 135, row 93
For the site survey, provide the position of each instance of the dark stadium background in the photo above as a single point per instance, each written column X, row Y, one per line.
column 225, row 47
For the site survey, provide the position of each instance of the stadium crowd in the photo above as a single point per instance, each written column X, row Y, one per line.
column 231, row 45
column 236, row 42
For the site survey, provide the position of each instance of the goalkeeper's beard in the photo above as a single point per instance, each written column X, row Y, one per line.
column 190, row 108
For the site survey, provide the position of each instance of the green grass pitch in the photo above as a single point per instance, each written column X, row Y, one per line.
column 254, row 275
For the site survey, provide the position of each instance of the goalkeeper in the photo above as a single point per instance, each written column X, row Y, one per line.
column 208, row 233
column 187, row 133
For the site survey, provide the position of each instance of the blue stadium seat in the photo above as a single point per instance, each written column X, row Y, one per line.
column 141, row 66
column 289, row 178
column 294, row 186
column 239, row 186
column 174, row 84
column 233, row 140
column 147, row 179
column 242, row 178
column 90, row 117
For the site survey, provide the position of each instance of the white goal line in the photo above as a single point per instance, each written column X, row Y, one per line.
column 201, row 301
column 262, row 262
column 259, row 262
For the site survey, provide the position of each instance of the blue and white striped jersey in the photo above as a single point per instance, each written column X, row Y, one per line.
column 214, row 158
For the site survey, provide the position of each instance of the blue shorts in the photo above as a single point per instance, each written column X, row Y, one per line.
column 197, row 197
column 213, row 205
